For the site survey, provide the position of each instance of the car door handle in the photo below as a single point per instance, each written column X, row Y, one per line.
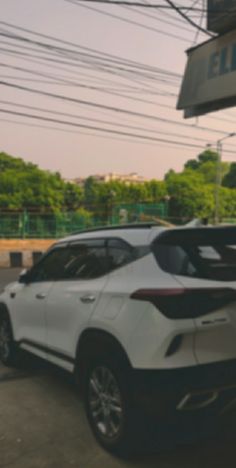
column 40, row 296
column 88, row 298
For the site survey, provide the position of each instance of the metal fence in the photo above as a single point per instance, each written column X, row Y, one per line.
column 30, row 225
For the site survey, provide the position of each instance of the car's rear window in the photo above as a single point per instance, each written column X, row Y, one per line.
column 208, row 253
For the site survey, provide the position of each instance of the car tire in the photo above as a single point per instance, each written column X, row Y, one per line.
column 109, row 408
column 8, row 351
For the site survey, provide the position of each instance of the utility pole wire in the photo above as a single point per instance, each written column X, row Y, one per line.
column 110, row 108
column 189, row 20
column 198, row 31
column 127, row 20
column 138, row 4
column 106, row 122
column 100, row 129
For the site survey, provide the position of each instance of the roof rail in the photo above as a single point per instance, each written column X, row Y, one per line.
column 118, row 226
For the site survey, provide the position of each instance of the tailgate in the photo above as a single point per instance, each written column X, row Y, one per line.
column 203, row 261
column 215, row 338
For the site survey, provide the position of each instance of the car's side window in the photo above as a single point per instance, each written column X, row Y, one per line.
column 119, row 254
column 52, row 266
column 86, row 260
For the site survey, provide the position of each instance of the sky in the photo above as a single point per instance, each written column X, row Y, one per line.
column 114, row 84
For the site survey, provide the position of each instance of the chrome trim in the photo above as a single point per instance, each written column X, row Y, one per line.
column 185, row 402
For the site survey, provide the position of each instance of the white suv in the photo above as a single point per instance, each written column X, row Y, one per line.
column 144, row 316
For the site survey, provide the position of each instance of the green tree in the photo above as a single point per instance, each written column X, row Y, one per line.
column 155, row 190
column 25, row 186
column 208, row 155
column 229, row 180
column 91, row 191
column 189, row 196
column 73, row 195
column 207, row 165
column 192, row 164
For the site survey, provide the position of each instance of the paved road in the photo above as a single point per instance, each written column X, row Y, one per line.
column 7, row 275
column 42, row 425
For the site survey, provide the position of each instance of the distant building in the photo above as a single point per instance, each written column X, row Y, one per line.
column 133, row 177
column 77, row 181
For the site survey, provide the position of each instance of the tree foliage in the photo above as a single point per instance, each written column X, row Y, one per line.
column 193, row 190
column 189, row 194
column 229, row 180
column 207, row 165
column 25, row 186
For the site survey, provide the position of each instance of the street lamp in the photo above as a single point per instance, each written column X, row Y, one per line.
column 218, row 175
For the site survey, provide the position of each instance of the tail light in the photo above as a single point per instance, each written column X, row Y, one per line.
column 186, row 303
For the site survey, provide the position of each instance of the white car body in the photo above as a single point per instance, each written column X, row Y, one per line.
column 49, row 317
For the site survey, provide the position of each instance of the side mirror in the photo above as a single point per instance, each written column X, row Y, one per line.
column 24, row 277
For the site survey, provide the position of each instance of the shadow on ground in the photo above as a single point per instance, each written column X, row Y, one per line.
column 192, row 444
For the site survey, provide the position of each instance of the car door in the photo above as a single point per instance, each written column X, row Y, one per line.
column 29, row 299
column 74, row 297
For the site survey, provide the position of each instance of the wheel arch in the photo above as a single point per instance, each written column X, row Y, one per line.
column 4, row 310
column 94, row 341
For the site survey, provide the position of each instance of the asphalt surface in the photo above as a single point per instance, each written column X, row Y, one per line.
column 43, row 425
column 7, row 275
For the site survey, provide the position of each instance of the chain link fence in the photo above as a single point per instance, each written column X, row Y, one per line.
column 32, row 225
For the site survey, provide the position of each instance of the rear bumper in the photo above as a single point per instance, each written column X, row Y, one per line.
column 202, row 387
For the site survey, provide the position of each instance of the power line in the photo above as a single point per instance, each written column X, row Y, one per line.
column 146, row 87
column 168, row 14
column 198, row 30
column 86, row 133
column 195, row 2
column 106, row 107
column 189, row 20
column 106, row 122
column 156, row 92
column 140, row 81
column 82, row 56
column 130, row 21
column 104, row 67
column 79, row 46
column 154, row 17
column 103, row 90
column 99, row 56
column 100, row 129
column 112, row 108
column 83, row 86
column 113, row 58
column 152, row 74
column 149, row 90
column 104, row 130
column 109, row 137
column 138, row 4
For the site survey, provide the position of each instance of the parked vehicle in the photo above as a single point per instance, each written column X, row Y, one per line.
column 144, row 316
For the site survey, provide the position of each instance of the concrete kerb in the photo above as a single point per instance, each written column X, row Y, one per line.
column 22, row 252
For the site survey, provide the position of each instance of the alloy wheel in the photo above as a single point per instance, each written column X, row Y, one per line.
column 105, row 403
